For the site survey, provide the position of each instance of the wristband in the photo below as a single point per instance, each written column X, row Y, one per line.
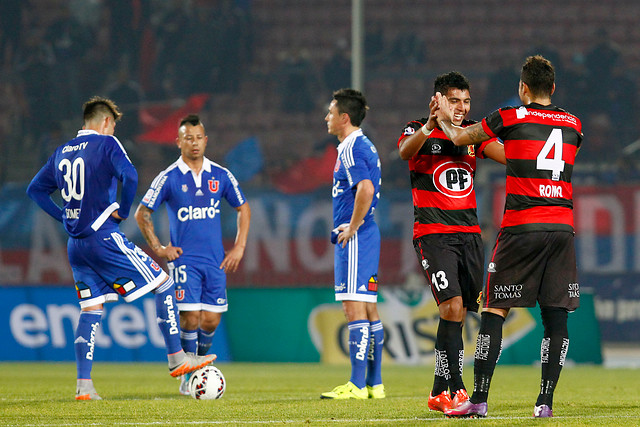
column 425, row 131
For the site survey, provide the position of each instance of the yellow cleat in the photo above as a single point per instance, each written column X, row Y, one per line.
column 376, row 391
column 346, row 391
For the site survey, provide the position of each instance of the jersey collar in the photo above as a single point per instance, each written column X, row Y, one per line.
column 85, row 132
column 349, row 139
column 184, row 168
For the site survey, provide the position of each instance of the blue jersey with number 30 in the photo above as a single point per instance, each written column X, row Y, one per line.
column 86, row 170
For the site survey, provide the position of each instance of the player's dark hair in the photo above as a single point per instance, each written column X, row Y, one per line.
column 353, row 103
column 451, row 80
column 538, row 73
column 98, row 106
column 191, row 119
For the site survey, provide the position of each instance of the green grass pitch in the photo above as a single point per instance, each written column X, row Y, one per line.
column 42, row 394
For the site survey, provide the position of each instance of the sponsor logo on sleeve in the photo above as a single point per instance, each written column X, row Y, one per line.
column 147, row 196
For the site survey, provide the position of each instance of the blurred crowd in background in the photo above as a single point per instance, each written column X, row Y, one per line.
column 268, row 68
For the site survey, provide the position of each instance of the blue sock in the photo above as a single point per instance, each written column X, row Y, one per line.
column 358, row 350
column 168, row 319
column 374, row 359
column 85, row 341
column 204, row 341
column 189, row 340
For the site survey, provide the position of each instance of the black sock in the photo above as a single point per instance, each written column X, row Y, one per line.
column 440, row 382
column 488, row 348
column 553, row 351
column 450, row 335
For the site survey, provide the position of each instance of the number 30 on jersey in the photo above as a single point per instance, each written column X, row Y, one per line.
column 73, row 175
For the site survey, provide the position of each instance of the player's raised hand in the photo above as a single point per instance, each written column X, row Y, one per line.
column 444, row 110
column 433, row 107
column 232, row 259
column 169, row 252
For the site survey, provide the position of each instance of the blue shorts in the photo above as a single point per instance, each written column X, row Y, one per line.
column 200, row 286
column 106, row 265
column 356, row 266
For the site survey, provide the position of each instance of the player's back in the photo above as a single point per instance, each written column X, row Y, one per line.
column 86, row 170
column 540, row 145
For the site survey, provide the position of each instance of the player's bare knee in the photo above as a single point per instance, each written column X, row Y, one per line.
column 209, row 321
column 452, row 310
column 189, row 320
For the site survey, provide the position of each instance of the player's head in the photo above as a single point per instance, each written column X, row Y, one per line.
column 539, row 76
column 353, row 103
column 456, row 88
column 101, row 114
column 192, row 138
column 346, row 111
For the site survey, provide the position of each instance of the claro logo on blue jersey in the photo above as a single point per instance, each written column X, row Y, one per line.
column 189, row 213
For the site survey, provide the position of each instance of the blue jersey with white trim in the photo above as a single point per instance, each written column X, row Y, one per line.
column 193, row 206
column 357, row 160
column 86, row 170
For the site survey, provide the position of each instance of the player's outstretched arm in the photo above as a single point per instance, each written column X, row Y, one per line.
column 143, row 218
column 233, row 257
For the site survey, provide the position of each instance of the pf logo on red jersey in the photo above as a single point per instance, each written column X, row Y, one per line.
column 454, row 179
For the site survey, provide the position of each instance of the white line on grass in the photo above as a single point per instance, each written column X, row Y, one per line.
column 336, row 420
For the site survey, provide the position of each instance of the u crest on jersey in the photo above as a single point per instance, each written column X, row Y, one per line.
column 213, row 185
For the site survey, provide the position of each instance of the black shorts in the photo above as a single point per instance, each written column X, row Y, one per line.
column 536, row 266
column 453, row 265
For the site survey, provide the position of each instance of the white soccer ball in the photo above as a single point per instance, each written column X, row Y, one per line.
column 207, row 383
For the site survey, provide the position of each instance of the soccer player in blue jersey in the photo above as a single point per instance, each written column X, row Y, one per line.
column 193, row 187
column 105, row 265
column 356, row 191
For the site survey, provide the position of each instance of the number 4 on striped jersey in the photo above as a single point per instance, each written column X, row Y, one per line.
column 555, row 164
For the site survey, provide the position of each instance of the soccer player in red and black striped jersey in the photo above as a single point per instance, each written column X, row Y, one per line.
column 446, row 233
column 534, row 255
